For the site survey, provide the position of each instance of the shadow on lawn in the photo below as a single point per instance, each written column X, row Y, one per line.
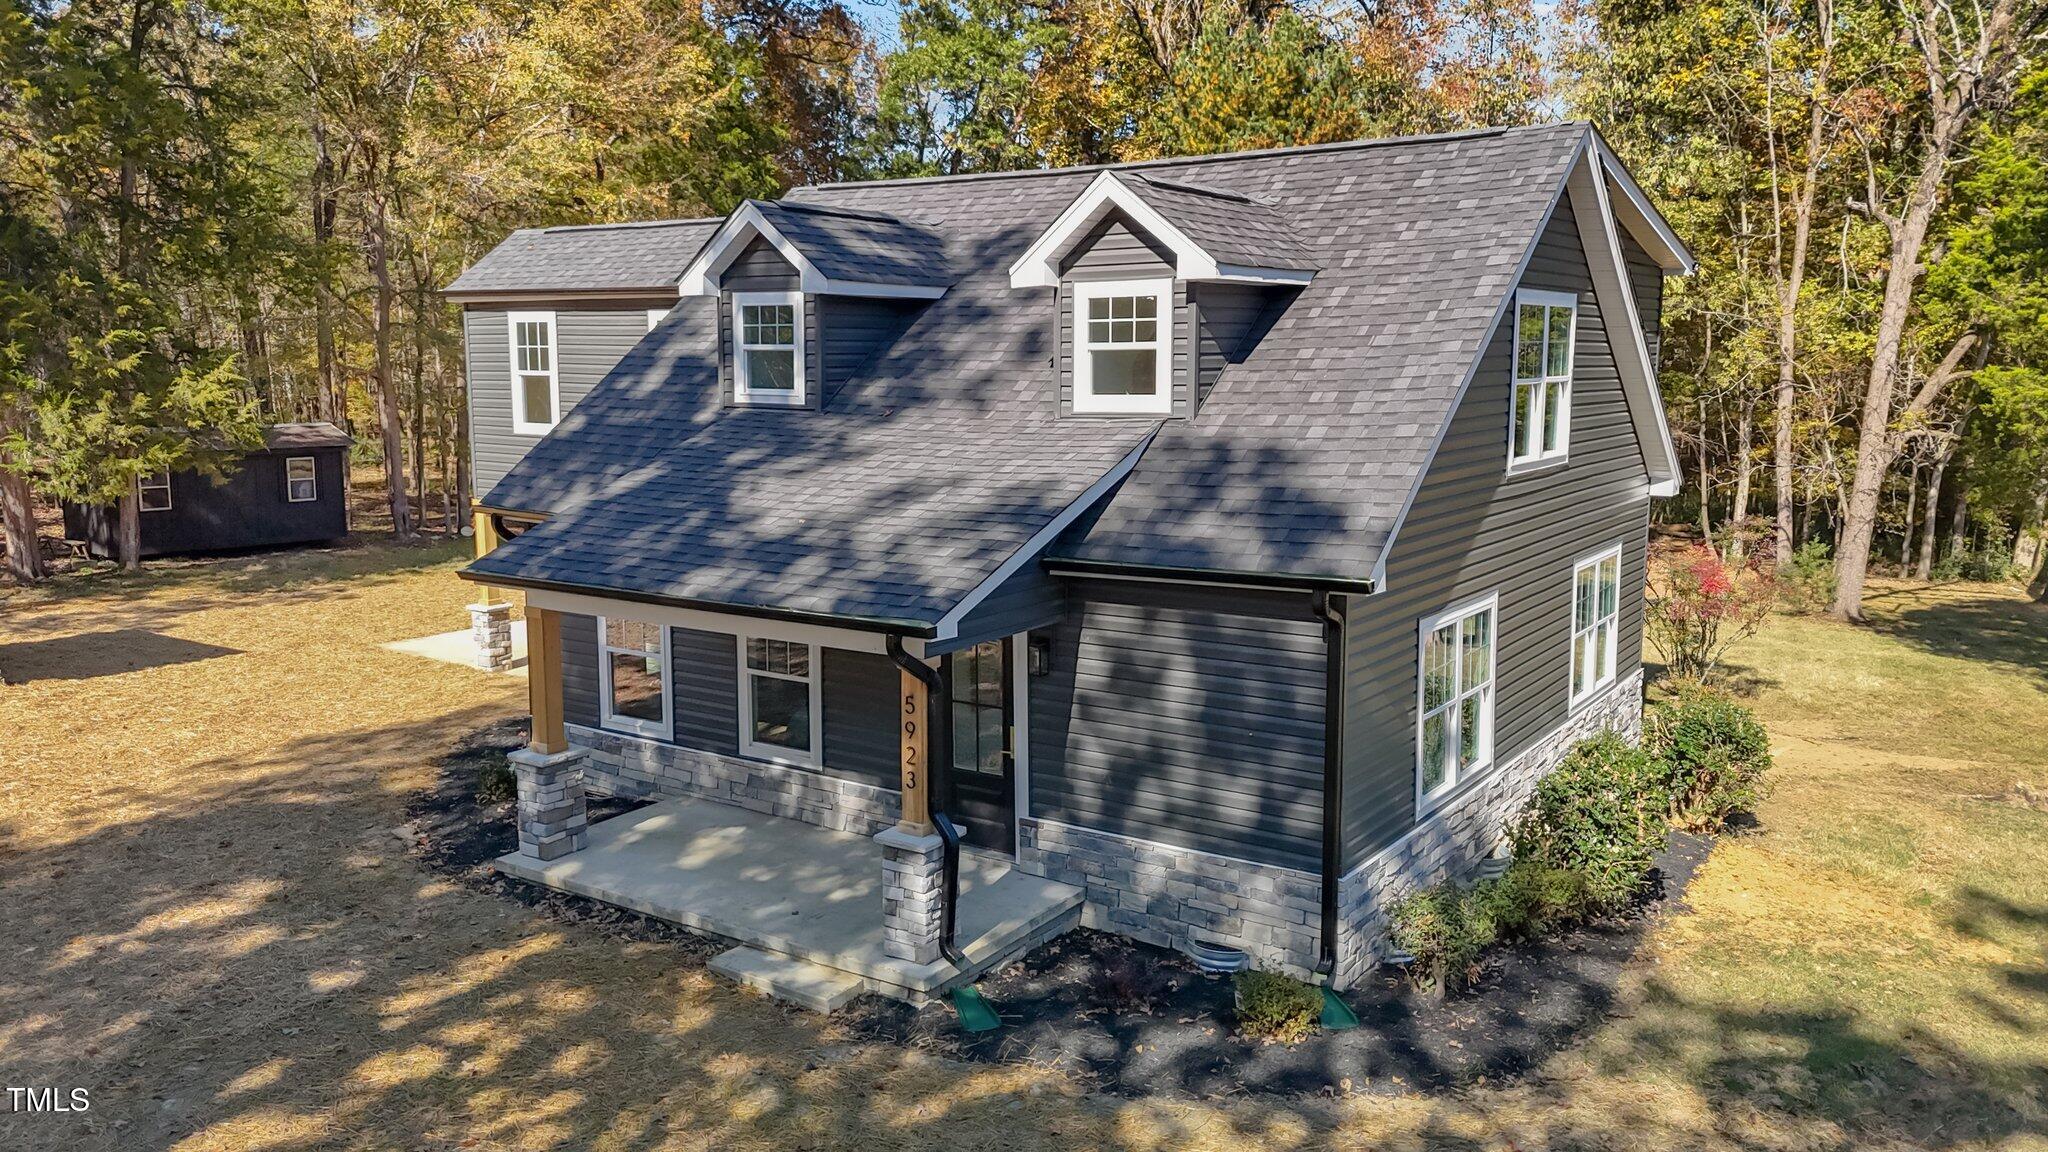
column 258, row 963
column 87, row 655
column 1970, row 622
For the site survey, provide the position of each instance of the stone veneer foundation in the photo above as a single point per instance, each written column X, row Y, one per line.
column 490, row 630
column 1466, row 829
column 628, row 766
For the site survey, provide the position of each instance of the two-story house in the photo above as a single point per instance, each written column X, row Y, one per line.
column 1218, row 547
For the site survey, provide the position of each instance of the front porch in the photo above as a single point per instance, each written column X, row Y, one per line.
column 798, row 891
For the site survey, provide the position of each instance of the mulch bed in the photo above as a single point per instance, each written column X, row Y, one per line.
column 1142, row 1021
column 1132, row 1019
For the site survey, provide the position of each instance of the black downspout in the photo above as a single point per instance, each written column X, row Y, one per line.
column 938, row 716
column 1331, row 613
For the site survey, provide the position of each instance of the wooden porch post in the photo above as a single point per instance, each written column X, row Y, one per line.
column 917, row 810
column 544, row 679
column 486, row 539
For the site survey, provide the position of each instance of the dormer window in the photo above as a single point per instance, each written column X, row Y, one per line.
column 1123, row 358
column 1540, row 429
column 768, row 356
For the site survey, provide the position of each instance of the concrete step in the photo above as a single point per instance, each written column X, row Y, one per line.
column 799, row 982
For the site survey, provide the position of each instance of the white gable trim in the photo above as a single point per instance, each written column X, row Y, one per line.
column 1642, row 219
column 1639, row 380
column 701, row 278
column 1039, row 266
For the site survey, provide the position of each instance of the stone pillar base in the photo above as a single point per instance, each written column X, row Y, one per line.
column 553, row 818
column 912, row 893
column 490, row 629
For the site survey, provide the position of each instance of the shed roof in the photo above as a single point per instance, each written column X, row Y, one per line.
column 615, row 258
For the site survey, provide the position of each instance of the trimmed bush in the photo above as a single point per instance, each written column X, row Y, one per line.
column 1713, row 755
column 495, row 782
column 1445, row 929
column 1272, row 1007
column 1531, row 900
column 1601, row 815
column 1810, row 581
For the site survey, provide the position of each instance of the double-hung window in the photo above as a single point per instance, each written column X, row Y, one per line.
column 779, row 702
column 1540, row 429
column 536, row 383
column 1455, row 733
column 301, row 483
column 1596, row 606
column 153, row 492
column 633, row 664
column 768, row 352
column 1123, row 341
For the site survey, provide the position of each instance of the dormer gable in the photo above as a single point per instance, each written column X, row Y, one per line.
column 1205, row 233
column 835, row 251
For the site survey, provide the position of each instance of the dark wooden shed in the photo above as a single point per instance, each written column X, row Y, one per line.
column 292, row 491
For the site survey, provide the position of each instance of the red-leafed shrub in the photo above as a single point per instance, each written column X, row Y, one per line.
column 1700, row 605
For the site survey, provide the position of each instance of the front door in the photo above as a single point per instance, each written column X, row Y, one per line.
column 984, row 797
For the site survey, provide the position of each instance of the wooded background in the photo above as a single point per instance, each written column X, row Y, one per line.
column 220, row 213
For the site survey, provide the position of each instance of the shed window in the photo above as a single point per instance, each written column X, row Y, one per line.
column 153, row 491
column 768, row 354
column 1540, row 428
column 300, row 484
column 779, row 700
column 1123, row 346
column 1455, row 733
column 536, row 380
column 1596, row 609
column 634, row 666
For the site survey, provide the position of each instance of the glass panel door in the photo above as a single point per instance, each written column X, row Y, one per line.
column 983, row 797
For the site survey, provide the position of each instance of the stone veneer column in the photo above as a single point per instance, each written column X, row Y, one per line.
column 912, row 867
column 490, row 629
column 553, row 818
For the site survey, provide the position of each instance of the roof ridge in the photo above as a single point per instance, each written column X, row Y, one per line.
column 1214, row 157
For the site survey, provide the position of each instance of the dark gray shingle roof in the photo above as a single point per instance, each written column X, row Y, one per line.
column 865, row 247
column 588, row 258
column 1230, row 226
column 945, row 451
column 308, row 434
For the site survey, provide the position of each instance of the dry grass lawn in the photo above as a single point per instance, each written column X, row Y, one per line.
column 210, row 926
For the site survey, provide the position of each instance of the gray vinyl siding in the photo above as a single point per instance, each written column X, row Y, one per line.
column 1188, row 716
column 1474, row 530
column 590, row 339
column 705, row 689
column 1226, row 316
column 760, row 268
column 854, row 328
column 859, row 699
column 1028, row 599
column 1116, row 250
column 580, row 681
column 1647, row 280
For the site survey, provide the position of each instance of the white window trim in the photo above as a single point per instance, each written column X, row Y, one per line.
column 741, row 393
column 1562, row 452
column 1085, row 399
column 776, row 753
column 606, row 718
column 144, row 482
column 520, row 424
column 313, row 477
column 1613, row 623
column 1456, row 778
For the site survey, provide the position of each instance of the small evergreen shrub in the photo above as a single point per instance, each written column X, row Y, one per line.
column 495, row 782
column 1810, row 581
column 1599, row 814
column 1712, row 753
column 1273, row 1007
column 1532, row 900
column 1445, row 928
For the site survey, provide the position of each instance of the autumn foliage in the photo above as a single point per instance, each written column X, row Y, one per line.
column 1701, row 604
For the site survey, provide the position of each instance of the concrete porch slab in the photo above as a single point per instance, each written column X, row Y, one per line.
column 800, row 982
column 795, row 889
column 459, row 648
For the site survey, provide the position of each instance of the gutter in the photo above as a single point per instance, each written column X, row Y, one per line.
column 895, row 628
column 938, row 718
column 1331, row 613
column 1069, row 566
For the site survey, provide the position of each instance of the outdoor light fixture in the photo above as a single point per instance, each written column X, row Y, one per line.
column 1039, row 660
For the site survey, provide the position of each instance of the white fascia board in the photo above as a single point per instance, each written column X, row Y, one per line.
column 1641, row 217
column 1632, row 362
column 949, row 625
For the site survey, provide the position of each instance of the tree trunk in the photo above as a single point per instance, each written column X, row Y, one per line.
column 1745, row 429
column 1906, row 530
column 18, row 516
column 128, row 532
column 1926, row 570
column 387, row 388
column 1959, row 527
column 1706, row 521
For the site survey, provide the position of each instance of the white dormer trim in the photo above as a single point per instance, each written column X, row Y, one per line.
column 1641, row 218
column 1039, row 266
column 701, row 278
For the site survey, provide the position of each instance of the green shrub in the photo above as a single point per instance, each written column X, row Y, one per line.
column 1531, row 900
column 1810, row 581
column 1445, row 928
column 1271, row 1007
column 495, row 782
column 1599, row 814
column 1713, row 755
